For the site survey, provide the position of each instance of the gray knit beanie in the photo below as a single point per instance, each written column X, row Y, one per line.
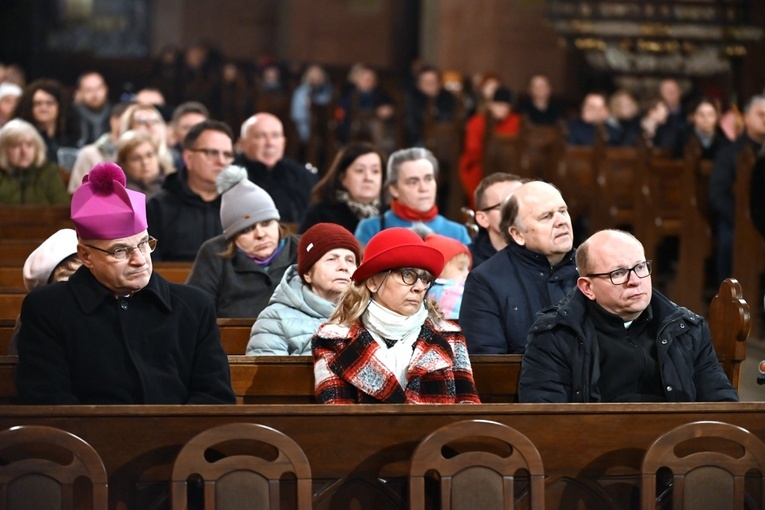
column 243, row 203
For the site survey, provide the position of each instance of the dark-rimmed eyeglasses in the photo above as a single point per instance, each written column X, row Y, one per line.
column 492, row 207
column 215, row 154
column 410, row 276
column 622, row 275
column 125, row 252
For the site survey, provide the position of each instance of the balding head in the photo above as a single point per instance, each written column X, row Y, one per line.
column 262, row 139
column 536, row 216
column 614, row 250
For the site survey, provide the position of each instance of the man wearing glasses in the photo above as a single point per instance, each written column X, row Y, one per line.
column 614, row 339
column 117, row 333
column 186, row 213
column 490, row 194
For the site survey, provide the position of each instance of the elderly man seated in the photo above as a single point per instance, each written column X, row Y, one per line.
column 535, row 270
column 615, row 339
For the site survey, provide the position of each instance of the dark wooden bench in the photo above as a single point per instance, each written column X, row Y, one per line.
column 591, row 453
column 33, row 221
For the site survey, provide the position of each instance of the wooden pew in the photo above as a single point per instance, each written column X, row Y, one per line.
column 591, row 452
column 616, row 175
column 14, row 252
column 11, row 279
column 542, row 149
column 695, row 245
column 33, row 221
column 176, row 272
column 289, row 379
column 748, row 243
column 234, row 335
column 575, row 177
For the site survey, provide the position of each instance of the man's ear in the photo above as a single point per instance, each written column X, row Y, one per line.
column 517, row 235
column 84, row 256
column 584, row 285
column 482, row 219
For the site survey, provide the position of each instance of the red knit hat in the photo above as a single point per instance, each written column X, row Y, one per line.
column 321, row 238
column 448, row 247
column 398, row 247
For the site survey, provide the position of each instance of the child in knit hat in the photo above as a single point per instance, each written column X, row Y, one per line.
column 308, row 293
column 450, row 285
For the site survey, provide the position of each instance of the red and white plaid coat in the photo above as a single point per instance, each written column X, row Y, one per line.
column 348, row 369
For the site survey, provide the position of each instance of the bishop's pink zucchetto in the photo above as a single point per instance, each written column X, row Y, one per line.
column 102, row 208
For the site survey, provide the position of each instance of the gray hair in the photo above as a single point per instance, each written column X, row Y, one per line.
column 400, row 157
column 759, row 98
column 18, row 129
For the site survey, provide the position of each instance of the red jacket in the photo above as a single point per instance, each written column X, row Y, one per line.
column 347, row 371
column 471, row 161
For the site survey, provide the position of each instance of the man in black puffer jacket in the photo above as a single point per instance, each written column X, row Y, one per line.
column 614, row 339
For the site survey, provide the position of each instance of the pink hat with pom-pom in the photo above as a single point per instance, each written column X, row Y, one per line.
column 103, row 209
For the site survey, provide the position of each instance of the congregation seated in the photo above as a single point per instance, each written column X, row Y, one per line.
column 386, row 342
column 185, row 116
column 704, row 126
column 428, row 99
column 138, row 156
column 582, row 131
column 616, row 339
column 315, row 89
column 308, row 292
column 240, row 268
column 91, row 107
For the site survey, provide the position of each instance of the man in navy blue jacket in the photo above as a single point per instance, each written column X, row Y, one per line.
column 535, row 270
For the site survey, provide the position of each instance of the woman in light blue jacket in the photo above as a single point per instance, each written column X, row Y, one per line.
column 307, row 293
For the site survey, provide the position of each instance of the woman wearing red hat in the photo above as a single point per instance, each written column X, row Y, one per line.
column 385, row 342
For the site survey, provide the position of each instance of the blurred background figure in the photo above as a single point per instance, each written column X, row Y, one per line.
column 42, row 104
column 704, row 126
column 539, row 107
column 351, row 189
column 9, row 97
column 623, row 122
column 103, row 149
column 91, row 107
column 147, row 118
column 315, row 89
column 138, row 156
column 26, row 176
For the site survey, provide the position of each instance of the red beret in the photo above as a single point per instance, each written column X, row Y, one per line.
column 398, row 247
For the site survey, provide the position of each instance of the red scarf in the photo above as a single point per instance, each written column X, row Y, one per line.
column 407, row 213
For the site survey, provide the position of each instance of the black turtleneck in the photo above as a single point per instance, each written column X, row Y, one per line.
column 629, row 367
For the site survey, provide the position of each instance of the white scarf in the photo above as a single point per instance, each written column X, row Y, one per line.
column 384, row 324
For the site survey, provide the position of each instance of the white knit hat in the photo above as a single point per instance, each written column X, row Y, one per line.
column 243, row 203
column 7, row 89
column 41, row 262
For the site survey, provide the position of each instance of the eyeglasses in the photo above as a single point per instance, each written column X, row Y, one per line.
column 214, row 154
column 124, row 253
column 622, row 275
column 410, row 276
column 492, row 207
column 139, row 158
column 146, row 121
